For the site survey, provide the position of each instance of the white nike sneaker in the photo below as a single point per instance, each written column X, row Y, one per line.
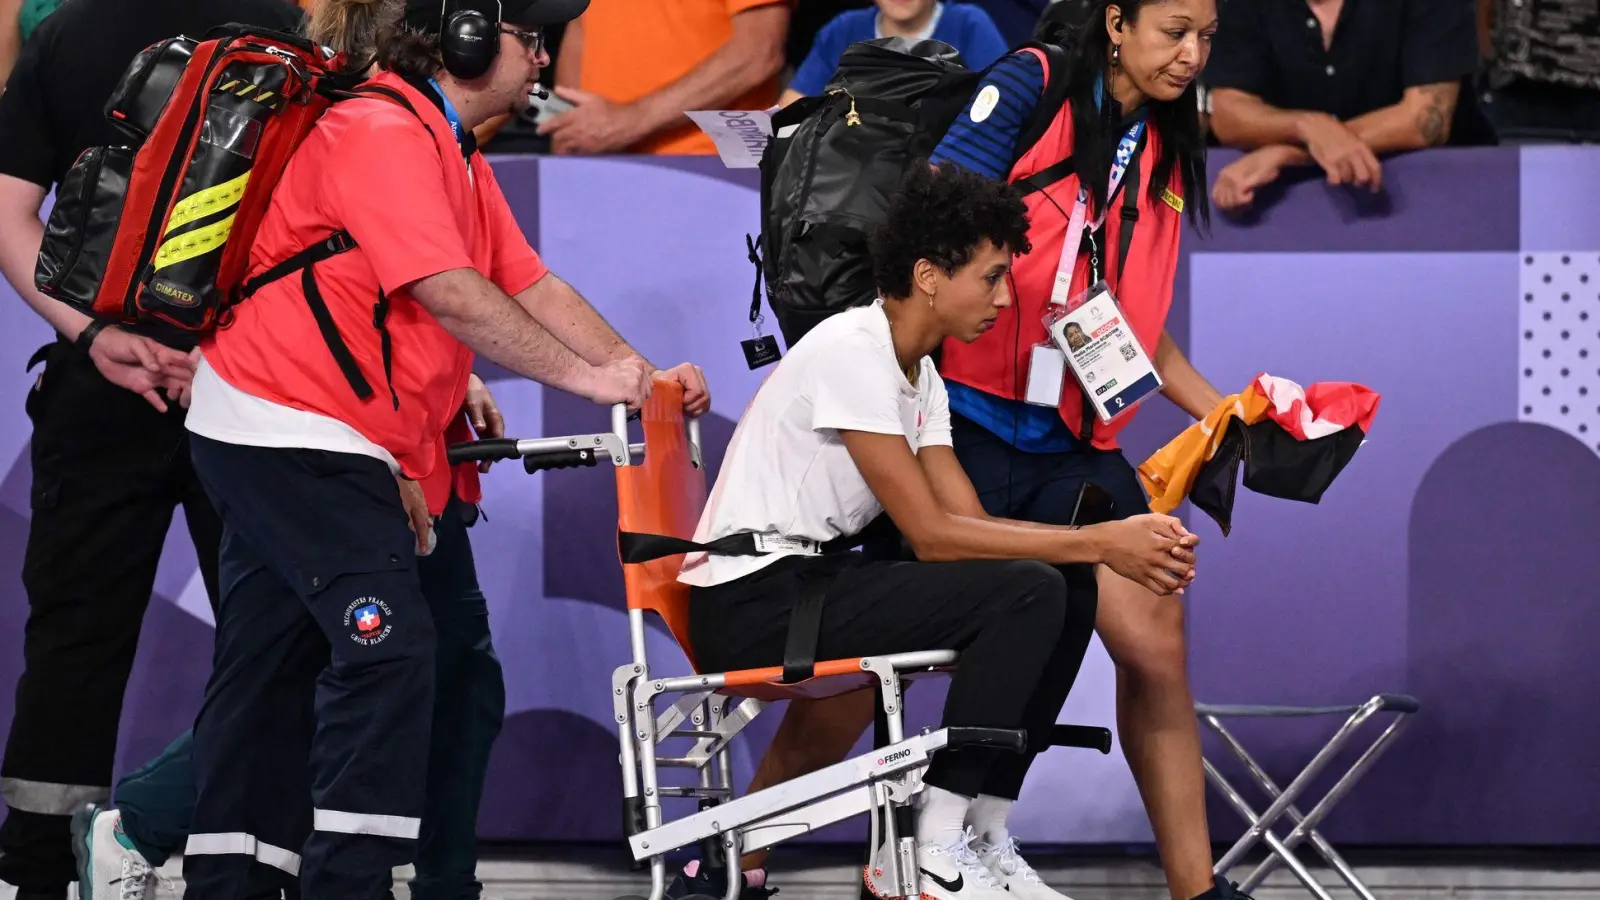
column 108, row 866
column 950, row 872
column 1014, row 872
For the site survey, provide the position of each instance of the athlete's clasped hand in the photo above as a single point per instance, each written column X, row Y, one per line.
column 1153, row 550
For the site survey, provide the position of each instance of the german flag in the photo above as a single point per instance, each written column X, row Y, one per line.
column 1292, row 442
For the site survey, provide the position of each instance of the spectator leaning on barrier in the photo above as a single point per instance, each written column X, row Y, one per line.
column 1337, row 84
column 634, row 68
column 327, row 498
column 963, row 26
column 109, row 459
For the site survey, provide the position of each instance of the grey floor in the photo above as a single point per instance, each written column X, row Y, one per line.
column 585, row 873
column 1085, row 879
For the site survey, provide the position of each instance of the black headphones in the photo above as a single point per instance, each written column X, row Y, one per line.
column 468, row 40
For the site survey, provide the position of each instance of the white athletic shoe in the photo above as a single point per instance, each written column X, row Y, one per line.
column 108, row 866
column 1014, row 872
column 950, row 872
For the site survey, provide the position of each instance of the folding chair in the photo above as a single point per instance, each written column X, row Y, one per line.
column 1282, row 801
column 661, row 491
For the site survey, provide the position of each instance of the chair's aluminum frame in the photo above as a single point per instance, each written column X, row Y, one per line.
column 1282, row 801
column 885, row 778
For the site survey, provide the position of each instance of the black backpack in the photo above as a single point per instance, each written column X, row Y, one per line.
column 834, row 160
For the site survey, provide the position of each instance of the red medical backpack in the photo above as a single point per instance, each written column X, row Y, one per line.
column 159, row 230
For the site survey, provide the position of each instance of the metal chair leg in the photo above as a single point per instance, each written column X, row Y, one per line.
column 1244, row 810
column 1281, row 802
column 1306, row 825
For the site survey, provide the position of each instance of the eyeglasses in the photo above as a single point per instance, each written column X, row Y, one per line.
column 533, row 41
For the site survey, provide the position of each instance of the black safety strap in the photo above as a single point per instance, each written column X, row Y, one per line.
column 635, row 547
column 805, row 618
column 805, row 627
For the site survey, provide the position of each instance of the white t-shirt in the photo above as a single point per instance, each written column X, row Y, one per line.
column 222, row 412
column 787, row 471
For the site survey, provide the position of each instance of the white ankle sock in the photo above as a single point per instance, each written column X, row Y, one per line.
column 987, row 816
column 942, row 818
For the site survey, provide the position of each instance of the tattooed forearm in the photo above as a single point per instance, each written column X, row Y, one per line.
column 1437, row 103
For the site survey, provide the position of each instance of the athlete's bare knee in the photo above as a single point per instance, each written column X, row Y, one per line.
column 1152, row 649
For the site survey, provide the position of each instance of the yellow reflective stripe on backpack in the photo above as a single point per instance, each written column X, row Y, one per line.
column 193, row 243
column 205, row 202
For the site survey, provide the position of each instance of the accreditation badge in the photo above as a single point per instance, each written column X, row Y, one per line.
column 1101, row 351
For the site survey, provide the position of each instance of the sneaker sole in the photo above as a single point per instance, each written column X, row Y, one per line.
column 82, row 847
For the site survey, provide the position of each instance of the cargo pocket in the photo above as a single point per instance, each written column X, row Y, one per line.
column 83, row 226
column 369, row 600
column 34, row 404
column 321, row 569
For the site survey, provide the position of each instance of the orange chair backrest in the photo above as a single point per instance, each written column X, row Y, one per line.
column 663, row 495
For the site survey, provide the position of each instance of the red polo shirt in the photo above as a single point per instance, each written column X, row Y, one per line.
column 415, row 208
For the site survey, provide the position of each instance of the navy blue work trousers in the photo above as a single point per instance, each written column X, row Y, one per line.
column 321, row 605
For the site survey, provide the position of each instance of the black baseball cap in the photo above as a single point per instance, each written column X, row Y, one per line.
column 427, row 15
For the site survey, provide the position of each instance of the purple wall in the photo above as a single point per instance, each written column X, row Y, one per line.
column 1451, row 560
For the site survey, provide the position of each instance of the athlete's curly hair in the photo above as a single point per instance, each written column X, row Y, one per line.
column 942, row 214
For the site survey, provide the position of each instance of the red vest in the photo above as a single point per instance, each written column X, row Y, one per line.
column 997, row 361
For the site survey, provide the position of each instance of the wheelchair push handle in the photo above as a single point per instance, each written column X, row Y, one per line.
column 539, row 454
column 480, row 451
column 574, row 451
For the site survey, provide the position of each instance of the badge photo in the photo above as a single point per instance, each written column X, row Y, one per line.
column 1101, row 350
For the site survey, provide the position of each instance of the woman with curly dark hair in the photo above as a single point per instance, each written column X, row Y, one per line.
column 855, row 423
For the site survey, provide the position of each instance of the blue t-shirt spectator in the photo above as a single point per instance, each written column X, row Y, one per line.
column 961, row 25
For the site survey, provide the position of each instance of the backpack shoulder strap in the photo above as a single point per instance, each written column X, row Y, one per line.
column 1130, row 206
column 387, row 93
column 1054, row 95
column 339, row 242
column 1045, row 177
column 1054, row 60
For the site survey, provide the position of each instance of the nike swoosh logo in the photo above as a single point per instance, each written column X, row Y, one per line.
column 953, row 887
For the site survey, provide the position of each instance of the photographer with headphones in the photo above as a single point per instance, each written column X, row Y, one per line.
column 327, row 498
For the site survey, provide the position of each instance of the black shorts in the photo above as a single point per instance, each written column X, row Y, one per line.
column 1042, row 487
